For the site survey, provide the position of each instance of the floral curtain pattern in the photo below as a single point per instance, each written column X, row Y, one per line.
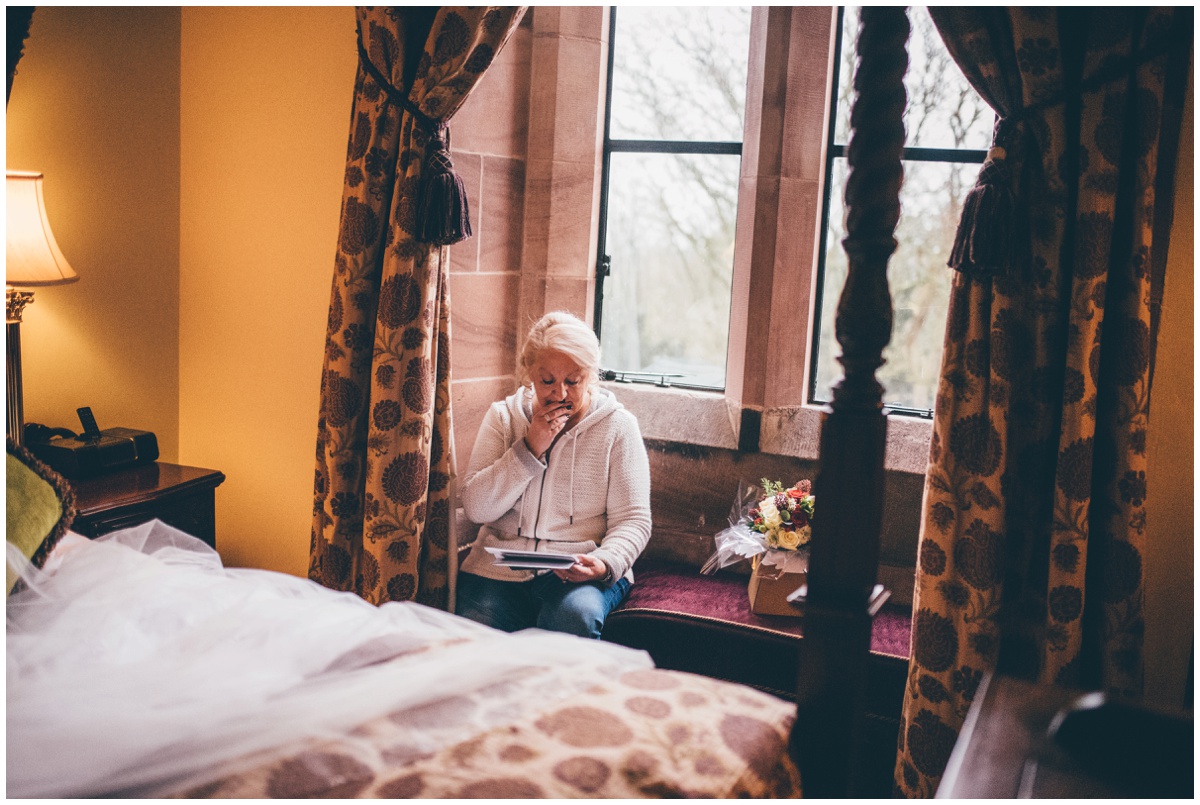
column 1030, row 555
column 381, row 513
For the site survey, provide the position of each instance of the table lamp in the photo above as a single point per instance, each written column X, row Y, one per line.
column 33, row 259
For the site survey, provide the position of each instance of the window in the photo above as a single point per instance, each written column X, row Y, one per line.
column 672, row 155
column 756, row 321
column 948, row 131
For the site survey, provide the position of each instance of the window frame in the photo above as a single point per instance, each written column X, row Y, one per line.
column 612, row 146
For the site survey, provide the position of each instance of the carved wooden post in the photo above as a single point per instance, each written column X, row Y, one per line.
column 831, row 689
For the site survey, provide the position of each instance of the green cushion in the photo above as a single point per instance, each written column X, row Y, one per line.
column 40, row 507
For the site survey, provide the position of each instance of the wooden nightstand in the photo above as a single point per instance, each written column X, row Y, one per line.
column 183, row 497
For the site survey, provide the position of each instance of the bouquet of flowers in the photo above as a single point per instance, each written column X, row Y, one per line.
column 773, row 520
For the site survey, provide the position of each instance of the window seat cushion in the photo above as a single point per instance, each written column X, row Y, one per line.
column 703, row 624
column 671, row 588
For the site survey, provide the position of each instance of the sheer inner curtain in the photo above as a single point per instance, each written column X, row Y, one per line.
column 1030, row 558
column 381, row 507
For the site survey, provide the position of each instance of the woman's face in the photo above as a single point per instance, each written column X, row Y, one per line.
column 557, row 379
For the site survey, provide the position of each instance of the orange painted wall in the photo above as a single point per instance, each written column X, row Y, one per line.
column 265, row 103
column 100, row 118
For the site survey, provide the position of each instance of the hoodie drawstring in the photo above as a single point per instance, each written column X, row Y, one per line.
column 521, row 513
column 571, row 493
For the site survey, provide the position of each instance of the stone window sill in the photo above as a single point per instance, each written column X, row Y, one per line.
column 709, row 419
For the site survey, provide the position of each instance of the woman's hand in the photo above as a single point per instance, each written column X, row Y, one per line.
column 586, row 568
column 546, row 424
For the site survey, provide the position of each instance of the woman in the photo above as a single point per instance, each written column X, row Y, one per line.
column 558, row 467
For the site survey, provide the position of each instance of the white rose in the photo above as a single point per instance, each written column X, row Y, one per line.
column 770, row 516
column 789, row 540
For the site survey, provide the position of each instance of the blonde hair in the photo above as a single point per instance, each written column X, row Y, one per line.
column 561, row 332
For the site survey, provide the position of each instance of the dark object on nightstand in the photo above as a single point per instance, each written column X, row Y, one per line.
column 92, row 452
column 112, row 449
column 183, row 497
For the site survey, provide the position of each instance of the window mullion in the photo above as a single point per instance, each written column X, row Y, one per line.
column 779, row 221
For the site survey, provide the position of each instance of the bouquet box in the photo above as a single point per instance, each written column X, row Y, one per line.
column 769, row 588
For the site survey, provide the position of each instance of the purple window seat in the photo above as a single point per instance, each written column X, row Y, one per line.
column 671, row 588
column 703, row 625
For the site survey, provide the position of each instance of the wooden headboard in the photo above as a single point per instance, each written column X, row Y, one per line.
column 831, row 687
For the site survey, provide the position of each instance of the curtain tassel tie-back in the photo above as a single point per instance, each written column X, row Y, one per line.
column 443, row 215
column 983, row 244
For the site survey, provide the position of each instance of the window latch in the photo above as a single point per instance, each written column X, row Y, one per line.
column 621, row 376
column 604, row 268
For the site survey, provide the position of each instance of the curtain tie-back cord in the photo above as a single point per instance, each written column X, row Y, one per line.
column 987, row 242
column 984, row 245
column 443, row 217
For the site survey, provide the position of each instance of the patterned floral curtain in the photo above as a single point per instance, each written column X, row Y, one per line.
column 1030, row 558
column 381, row 513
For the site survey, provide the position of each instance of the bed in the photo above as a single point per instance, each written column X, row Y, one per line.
column 138, row 666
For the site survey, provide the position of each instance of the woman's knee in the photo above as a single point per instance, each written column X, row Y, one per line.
column 579, row 614
column 492, row 603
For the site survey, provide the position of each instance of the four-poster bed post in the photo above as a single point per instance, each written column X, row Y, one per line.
column 827, row 736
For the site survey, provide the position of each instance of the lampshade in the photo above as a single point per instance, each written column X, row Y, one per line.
column 33, row 256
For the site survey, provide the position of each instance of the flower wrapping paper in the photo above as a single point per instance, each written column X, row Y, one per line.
column 756, row 529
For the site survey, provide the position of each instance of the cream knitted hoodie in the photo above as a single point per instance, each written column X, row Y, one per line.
column 590, row 495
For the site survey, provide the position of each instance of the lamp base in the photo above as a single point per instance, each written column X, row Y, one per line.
column 15, row 302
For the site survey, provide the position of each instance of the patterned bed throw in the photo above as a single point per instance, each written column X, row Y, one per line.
column 648, row 733
column 139, row 666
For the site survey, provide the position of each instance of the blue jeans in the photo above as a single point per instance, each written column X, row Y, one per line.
column 546, row 601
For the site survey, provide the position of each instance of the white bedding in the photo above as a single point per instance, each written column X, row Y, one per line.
column 137, row 664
